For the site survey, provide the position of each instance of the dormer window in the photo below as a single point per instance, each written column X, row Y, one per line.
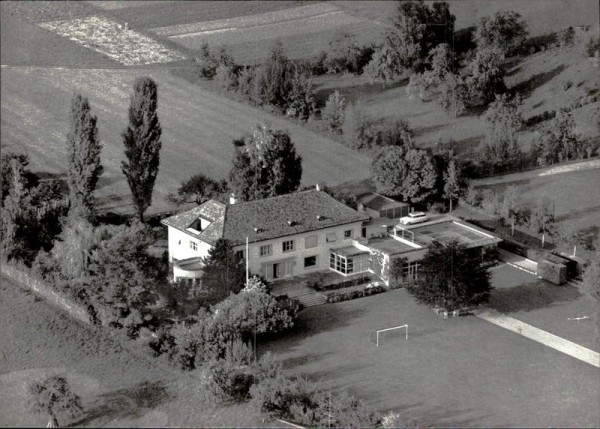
column 199, row 225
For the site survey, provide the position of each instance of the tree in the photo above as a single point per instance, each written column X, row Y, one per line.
column 301, row 98
column 265, row 165
column 542, row 217
column 504, row 30
column 224, row 272
column 397, row 270
column 12, row 215
column 121, row 271
column 333, row 112
column 512, row 209
column 454, row 185
column 572, row 235
column 561, row 142
column 274, row 83
column 452, row 277
column 502, row 120
column 407, row 173
column 28, row 178
column 453, row 94
column 54, row 397
column 142, row 144
column 83, row 154
column 486, row 79
column 199, row 189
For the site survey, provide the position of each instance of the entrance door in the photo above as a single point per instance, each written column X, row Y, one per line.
column 276, row 271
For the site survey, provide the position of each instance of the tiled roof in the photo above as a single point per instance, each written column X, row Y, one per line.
column 271, row 216
column 378, row 202
column 211, row 210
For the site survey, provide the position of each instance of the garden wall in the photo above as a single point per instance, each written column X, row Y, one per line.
column 26, row 281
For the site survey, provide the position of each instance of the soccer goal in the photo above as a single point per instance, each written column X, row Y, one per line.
column 393, row 332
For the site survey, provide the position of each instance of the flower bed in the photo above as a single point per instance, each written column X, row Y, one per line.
column 320, row 287
column 370, row 289
column 114, row 40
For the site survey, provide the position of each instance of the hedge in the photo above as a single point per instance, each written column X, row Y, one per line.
column 553, row 272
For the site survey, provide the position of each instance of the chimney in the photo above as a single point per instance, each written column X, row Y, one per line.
column 318, row 187
column 232, row 199
column 319, row 217
column 257, row 230
column 290, row 222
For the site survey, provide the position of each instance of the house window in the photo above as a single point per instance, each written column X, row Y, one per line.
column 287, row 246
column 239, row 254
column 310, row 261
column 348, row 233
column 410, row 270
column 341, row 264
column 331, row 237
column 266, row 250
column 310, row 241
column 193, row 245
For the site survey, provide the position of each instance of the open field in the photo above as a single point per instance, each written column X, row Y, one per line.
column 455, row 372
column 198, row 128
column 118, row 389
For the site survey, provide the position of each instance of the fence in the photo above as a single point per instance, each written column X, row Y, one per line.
column 25, row 280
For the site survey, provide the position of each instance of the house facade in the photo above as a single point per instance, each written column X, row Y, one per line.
column 309, row 231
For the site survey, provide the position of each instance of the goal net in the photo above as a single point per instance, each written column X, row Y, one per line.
column 381, row 336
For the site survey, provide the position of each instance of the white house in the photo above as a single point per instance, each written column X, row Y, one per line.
column 305, row 232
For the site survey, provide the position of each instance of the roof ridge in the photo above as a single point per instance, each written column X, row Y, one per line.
column 306, row 191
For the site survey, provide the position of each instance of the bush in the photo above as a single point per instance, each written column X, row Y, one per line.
column 362, row 132
column 438, row 208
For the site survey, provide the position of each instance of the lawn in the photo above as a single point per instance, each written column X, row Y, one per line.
column 544, row 305
column 198, row 128
column 454, row 372
column 118, row 389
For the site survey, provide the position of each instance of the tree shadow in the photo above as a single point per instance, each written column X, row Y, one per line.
column 526, row 87
column 130, row 402
column 578, row 213
column 531, row 296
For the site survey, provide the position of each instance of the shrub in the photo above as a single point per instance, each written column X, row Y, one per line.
column 592, row 47
column 437, row 208
column 320, row 287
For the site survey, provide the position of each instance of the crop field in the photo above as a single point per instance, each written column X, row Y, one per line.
column 108, row 37
column 322, row 21
column 198, row 128
column 462, row 372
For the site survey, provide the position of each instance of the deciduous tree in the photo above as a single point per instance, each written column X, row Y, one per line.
column 486, row 76
column 83, row 155
column 502, row 121
column 28, row 178
column 454, row 184
column 504, row 30
column 265, row 165
column 199, row 189
column 333, row 112
column 452, row 277
column 542, row 217
column 54, row 397
column 142, row 144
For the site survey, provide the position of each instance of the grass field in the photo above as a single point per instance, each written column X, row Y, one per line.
column 198, row 128
column 457, row 372
column 118, row 389
column 576, row 195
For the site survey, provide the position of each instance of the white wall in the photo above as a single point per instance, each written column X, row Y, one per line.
column 179, row 245
column 256, row 262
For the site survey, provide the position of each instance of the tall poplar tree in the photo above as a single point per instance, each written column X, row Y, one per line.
column 142, row 144
column 83, row 152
